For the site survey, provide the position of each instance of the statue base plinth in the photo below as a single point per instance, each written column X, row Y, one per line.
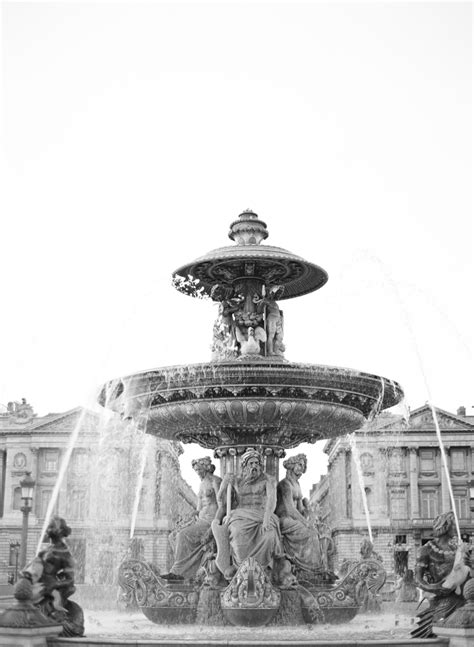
column 458, row 636
column 28, row 636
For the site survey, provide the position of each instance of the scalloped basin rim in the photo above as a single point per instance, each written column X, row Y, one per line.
column 223, row 374
column 253, row 366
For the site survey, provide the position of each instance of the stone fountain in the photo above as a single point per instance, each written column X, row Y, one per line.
column 245, row 564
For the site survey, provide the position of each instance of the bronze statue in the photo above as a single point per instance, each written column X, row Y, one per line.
column 224, row 345
column 52, row 576
column 435, row 563
column 273, row 319
column 300, row 539
column 191, row 541
column 252, row 528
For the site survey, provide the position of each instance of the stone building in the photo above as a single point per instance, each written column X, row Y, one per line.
column 404, row 482
column 98, row 493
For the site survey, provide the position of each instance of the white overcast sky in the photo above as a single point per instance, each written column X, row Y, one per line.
column 135, row 133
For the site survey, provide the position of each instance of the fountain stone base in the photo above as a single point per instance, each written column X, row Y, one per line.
column 250, row 599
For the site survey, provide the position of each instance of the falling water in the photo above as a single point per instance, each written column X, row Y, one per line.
column 404, row 311
column 138, row 492
column 430, row 400
column 62, row 471
column 355, row 454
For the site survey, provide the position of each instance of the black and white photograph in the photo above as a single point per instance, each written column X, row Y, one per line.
column 236, row 372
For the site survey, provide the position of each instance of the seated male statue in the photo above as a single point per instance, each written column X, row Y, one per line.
column 253, row 529
column 191, row 541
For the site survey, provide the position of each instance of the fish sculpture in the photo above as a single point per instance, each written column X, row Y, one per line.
column 460, row 571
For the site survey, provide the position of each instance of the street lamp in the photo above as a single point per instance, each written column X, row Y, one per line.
column 27, row 485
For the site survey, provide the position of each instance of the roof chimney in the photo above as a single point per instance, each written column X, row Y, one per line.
column 461, row 411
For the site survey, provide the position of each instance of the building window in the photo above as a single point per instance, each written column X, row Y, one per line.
column 78, row 504
column 429, row 503
column 80, row 461
column 51, row 460
column 349, row 501
column 141, row 500
column 396, row 461
column 458, row 460
column 108, row 504
column 16, row 498
column 43, row 502
column 400, row 539
column 461, row 503
column 427, row 460
column 367, row 462
column 14, row 551
column 398, row 503
column 369, row 498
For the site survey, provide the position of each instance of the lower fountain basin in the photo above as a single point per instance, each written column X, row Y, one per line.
column 224, row 403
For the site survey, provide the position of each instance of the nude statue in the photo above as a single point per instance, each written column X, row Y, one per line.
column 273, row 320
column 191, row 541
column 224, row 332
column 252, row 526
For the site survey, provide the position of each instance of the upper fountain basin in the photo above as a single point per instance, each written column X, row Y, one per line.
column 216, row 404
column 271, row 265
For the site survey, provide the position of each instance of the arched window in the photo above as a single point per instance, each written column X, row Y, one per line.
column 369, row 497
column 17, row 498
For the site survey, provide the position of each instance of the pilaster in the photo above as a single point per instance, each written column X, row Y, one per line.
column 445, row 499
column 413, row 475
column 3, row 456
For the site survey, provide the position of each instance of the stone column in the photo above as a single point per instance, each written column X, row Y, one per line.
column 445, row 499
column 62, row 503
column 34, row 467
column 380, row 482
column 339, row 493
column 3, row 456
column 413, row 474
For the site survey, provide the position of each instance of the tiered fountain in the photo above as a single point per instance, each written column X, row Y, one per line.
column 249, row 397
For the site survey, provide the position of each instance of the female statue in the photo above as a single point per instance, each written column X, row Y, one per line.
column 191, row 541
column 301, row 540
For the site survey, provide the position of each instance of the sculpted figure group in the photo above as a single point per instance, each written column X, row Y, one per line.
column 247, row 326
column 248, row 515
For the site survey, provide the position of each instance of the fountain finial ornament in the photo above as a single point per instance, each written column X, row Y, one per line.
column 248, row 229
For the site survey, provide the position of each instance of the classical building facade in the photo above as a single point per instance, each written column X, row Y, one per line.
column 117, row 482
column 400, row 467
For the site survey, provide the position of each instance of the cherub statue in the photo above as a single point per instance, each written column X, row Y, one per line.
column 53, row 570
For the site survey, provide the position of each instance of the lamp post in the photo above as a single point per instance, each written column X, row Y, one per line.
column 27, row 485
